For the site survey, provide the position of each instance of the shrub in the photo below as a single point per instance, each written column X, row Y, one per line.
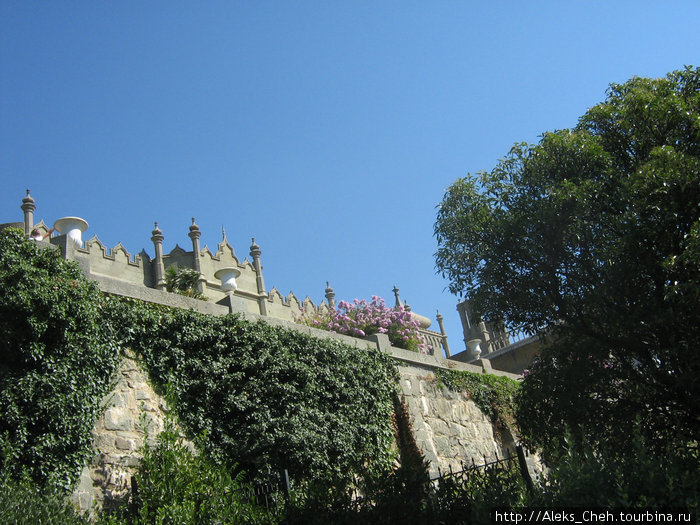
column 23, row 500
column 58, row 357
column 175, row 485
column 183, row 281
column 631, row 476
column 361, row 318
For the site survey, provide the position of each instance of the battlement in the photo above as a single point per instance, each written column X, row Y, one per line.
column 224, row 279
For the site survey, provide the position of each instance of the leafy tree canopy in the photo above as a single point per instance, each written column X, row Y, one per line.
column 595, row 233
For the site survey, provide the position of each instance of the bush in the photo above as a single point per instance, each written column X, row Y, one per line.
column 632, row 476
column 361, row 318
column 175, row 485
column 23, row 500
column 58, row 357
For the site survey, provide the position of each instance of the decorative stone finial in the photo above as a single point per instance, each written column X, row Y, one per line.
column 28, row 203
column 438, row 316
column 28, row 208
column 28, row 199
column 223, row 234
column 260, row 282
column 398, row 299
column 156, row 234
column 254, row 249
column 330, row 295
column 194, row 231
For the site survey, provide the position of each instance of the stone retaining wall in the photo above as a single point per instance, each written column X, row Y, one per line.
column 132, row 413
column 448, row 427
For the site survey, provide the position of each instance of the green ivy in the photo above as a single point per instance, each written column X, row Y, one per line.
column 494, row 395
column 269, row 398
column 261, row 396
column 58, row 356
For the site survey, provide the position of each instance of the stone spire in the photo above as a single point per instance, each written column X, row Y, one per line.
column 445, row 346
column 195, row 234
column 157, row 238
column 255, row 253
column 398, row 299
column 330, row 295
column 28, row 208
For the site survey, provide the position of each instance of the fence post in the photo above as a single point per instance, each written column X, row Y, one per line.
column 524, row 470
column 285, row 478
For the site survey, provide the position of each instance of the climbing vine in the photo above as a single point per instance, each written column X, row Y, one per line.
column 256, row 395
column 494, row 395
column 270, row 398
column 58, row 355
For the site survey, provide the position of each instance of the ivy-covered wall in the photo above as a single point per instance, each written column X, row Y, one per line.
column 253, row 395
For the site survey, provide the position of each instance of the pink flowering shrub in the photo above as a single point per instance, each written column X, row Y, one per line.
column 361, row 318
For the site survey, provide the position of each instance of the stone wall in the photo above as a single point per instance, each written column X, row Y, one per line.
column 448, row 427
column 132, row 412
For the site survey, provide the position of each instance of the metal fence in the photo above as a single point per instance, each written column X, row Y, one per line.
column 269, row 495
column 514, row 458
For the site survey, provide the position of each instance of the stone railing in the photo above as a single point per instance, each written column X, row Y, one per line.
column 503, row 338
column 436, row 342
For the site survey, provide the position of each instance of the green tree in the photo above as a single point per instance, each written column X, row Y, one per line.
column 595, row 233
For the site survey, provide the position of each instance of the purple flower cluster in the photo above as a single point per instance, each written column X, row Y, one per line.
column 361, row 318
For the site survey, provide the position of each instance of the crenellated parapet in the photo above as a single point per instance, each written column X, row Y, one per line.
column 116, row 263
column 290, row 307
column 224, row 279
column 244, row 289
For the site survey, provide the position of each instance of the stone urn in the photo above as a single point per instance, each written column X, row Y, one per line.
column 474, row 348
column 228, row 279
column 73, row 227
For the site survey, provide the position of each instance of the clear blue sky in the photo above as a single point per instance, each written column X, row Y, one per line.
column 329, row 131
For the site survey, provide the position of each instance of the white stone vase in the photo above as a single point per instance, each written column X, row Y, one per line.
column 73, row 227
column 228, row 279
column 474, row 348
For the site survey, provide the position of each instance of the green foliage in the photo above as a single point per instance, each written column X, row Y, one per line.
column 175, row 485
column 270, row 398
column 22, row 500
column 470, row 498
column 183, row 281
column 494, row 395
column 58, row 357
column 581, row 475
column 594, row 233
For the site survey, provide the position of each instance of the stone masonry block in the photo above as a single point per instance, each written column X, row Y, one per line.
column 117, row 418
column 142, row 394
column 124, row 443
column 443, row 448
